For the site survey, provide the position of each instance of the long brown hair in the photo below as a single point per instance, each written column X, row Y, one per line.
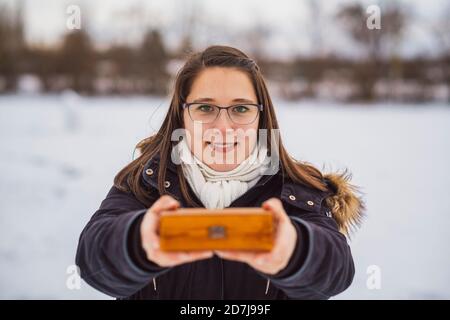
column 129, row 178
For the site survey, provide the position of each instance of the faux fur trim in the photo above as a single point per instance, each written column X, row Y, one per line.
column 346, row 204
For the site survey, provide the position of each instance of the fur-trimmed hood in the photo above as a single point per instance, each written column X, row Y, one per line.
column 345, row 201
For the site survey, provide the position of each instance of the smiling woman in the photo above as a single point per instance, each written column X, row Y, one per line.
column 232, row 88
column 220, row 93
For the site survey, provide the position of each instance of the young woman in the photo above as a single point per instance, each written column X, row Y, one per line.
column 219, row 102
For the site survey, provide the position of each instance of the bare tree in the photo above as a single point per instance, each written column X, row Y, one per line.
column 441, row 30
column 12, row 45
column 77, row 61
column 379, row 44
column 153, row 59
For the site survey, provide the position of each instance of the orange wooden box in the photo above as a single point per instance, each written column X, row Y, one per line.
column 193, row 229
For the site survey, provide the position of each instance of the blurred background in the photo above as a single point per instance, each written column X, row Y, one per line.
column 81, row 82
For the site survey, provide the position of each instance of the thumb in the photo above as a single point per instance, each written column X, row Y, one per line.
column 276, row 207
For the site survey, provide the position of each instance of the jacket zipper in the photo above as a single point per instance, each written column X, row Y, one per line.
column 154, row 284
column 267, row 286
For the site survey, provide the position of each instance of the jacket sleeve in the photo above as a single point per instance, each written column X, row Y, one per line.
column 321, row 265
column 109, row 252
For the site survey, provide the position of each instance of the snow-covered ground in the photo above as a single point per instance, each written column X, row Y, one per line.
column 59, row 154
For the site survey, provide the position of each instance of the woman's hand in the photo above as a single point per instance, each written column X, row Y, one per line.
column 285, row 239
column 150, row 238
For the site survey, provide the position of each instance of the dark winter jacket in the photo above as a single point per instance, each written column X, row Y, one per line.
column 111, row 259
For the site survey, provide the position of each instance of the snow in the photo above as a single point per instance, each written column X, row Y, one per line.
column 59, row 154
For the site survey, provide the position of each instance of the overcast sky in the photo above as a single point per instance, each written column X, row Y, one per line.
column 288, row 22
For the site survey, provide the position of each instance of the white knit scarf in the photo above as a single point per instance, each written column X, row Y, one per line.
column 217, row 189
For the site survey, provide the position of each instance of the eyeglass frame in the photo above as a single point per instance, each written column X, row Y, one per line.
column 187, row 104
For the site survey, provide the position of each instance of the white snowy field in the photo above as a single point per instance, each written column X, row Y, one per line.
column 59, row 154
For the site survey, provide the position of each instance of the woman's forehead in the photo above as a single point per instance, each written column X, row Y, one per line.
column 222, row 85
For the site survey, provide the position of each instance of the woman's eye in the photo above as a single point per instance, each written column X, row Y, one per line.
column 205, row 108
column 240, row 109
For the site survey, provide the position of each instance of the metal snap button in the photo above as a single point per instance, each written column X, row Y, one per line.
column 292, row 197
column 166, row 184
column 310, row 203
column 149, row 172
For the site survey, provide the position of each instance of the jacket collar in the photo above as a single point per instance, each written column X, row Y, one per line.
column 293, row 193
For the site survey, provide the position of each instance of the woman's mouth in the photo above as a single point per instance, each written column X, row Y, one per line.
column 222, row 147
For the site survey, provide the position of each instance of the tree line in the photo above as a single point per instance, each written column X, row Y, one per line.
column 147, row 68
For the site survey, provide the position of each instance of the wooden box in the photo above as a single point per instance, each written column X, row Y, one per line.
column 191, row 229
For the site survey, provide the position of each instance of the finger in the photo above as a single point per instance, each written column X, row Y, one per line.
column 276, row 207
column 193, row 256
column 165, row 259
column 175, row 258
column 256, row 260
column 151, row 226
column 279, row 241
column 241, row 256
column 166, row 202
column 261, row 259
column 187, row 256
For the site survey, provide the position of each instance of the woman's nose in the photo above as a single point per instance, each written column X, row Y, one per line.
column 223, row 121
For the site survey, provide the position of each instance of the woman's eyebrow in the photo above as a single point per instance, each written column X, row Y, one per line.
column 243, row 100
column 203, row 100
column 239, row 100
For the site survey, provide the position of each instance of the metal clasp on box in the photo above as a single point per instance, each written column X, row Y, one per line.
column 217, row 232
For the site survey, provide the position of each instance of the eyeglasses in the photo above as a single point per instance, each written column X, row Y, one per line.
column 241, row 114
